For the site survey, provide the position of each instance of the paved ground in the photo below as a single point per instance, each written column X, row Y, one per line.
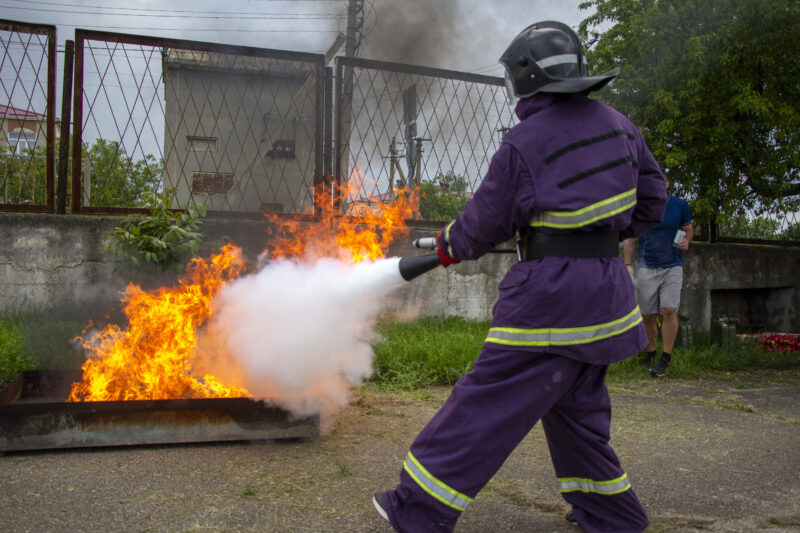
column 702, row 455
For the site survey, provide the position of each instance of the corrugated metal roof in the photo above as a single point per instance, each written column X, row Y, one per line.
column 14, row 112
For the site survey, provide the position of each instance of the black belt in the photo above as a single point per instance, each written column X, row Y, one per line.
column 583, row 244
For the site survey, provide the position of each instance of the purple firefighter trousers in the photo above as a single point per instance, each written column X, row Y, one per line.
column 489, row 412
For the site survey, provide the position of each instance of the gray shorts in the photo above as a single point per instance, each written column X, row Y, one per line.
column 658, row 288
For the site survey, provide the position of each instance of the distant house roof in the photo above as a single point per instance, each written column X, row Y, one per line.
column 6, row 111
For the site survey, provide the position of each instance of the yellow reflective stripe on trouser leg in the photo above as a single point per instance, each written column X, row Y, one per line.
column 433, row 486
column 606, row 488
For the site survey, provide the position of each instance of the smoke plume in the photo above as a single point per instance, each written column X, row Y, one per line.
column 416, row 32
column 299, row 333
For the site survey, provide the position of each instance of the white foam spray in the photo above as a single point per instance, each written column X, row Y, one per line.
column 301, row 332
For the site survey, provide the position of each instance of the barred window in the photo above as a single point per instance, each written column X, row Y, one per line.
column 22, row 139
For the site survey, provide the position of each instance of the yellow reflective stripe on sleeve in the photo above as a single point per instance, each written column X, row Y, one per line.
column 583, row 217
column 447, row 238
column 606, row 488
column 564, row 336
column 433, row 486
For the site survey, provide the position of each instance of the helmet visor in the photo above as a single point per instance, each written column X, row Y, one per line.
column 511, row 94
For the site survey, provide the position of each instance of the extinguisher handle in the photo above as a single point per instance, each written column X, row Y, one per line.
column 427, row 243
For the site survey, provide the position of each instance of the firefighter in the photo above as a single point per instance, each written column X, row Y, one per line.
column 574, row 178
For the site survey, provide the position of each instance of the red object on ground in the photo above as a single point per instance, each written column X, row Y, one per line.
column 775, row 342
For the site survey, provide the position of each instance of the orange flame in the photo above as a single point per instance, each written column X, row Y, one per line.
column 364, row 233
column 152, row 359
column 155, row 356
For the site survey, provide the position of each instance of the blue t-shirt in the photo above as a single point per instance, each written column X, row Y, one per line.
column 656, row 249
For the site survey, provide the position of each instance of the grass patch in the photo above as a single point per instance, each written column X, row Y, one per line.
column 438, row 351
column 705, row 358
column 428, row 351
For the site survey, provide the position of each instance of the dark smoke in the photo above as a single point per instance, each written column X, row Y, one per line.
column 454, row 34
column 417, row 32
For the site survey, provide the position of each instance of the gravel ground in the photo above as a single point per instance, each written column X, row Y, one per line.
column 702, row 456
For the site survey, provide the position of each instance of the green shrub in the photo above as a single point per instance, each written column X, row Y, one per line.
column 37, row 342
column 13, row 355
column 163, row 237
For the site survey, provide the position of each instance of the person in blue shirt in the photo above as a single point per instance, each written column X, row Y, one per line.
column 660, row 278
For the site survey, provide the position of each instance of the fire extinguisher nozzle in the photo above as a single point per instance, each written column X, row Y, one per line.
column 411, row 267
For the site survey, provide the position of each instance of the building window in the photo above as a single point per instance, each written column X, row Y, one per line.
column 22, row 139
column 202, row 144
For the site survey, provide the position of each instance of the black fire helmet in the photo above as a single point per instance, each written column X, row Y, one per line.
column 548, row 57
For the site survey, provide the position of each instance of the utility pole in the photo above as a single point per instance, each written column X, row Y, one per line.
column 355, row 22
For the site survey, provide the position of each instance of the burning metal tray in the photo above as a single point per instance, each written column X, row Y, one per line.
column 34, row 415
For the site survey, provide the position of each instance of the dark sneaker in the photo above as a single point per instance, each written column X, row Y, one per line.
column 648, row 360
column 660, row 368
column 571, row 519
column 377, row 501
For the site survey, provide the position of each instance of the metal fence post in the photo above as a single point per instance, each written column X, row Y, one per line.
column 77, row 123
column 63, row 152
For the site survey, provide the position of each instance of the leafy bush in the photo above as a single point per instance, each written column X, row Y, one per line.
column 37, row 342
column 13, row 356
column 163, row 237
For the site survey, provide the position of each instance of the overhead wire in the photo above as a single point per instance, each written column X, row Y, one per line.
column 218, row 15
column 61, row 4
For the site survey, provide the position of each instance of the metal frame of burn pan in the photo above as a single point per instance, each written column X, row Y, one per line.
column 34, row 416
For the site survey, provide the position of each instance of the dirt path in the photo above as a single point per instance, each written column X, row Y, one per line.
column 702, row 456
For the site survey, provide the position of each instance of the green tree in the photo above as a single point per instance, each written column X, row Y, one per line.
column 742, row 226
column 713, row 84
column 23, row 176
column 116, row 180
column 119, row 181
column 792, row 232
column 443, row 197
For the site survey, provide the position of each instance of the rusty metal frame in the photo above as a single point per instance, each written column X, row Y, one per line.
column 35, row 416
column 81, row 36
column 50, row 153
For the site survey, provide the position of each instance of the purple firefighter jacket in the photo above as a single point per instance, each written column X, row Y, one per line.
column 572, row 164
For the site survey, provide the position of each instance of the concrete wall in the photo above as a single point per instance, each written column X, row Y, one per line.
column 756, row 284
column 50, row 262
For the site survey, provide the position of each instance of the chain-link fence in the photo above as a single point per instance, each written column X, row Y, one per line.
column 27, row 116
column 780, row 225
column 235, row 129
column 400, row 126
